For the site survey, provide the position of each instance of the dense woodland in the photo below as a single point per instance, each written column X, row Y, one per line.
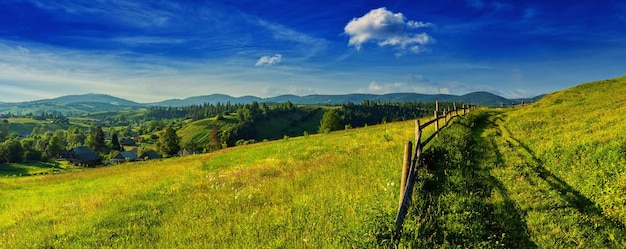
column 157, row 124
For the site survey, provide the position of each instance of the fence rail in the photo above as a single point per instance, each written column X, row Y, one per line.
column 412, row 162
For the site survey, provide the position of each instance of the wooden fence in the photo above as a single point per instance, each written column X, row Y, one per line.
column 412, row 161
column 513, row 105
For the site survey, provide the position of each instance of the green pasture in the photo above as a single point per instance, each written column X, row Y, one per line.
column 316, row 191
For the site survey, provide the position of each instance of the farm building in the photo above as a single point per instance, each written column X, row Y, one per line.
column 128, row 142
column 125, row 156
column 149, row 155
column 83, row 156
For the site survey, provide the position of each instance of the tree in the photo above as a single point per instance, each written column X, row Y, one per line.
column 99, row 139
column 169, row 142
column 4, row 130
column 115, row 142
column 11, row 151
column 55, row 145
column 30, row 153
column 330, row 122
column 74, row 137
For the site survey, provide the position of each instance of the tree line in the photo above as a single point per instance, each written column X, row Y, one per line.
column 44, row 145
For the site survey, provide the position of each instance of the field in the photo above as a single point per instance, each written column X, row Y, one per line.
column 26, row 125
column 313, row 191
column 548, row 175
column 36, row 168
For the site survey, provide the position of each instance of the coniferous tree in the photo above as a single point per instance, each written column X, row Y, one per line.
column 115, row 142
column 4, row 130
column 99, row 139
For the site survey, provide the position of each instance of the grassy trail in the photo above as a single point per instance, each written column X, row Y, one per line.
column 551, row 212
column 484, row 188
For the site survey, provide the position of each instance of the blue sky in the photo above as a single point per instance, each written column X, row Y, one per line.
column 150, row 51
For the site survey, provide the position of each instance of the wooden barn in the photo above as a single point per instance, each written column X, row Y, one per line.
column 84, row 156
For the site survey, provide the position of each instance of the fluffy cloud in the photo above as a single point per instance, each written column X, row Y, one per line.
column 387, row 29
column 420, row 84
column 269, row 60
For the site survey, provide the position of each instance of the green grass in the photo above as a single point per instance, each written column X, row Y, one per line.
column 578, row 135
column 484, row 187
column 318, row 191
column 22, row 125
column 549, row 175
column 200, row 131
column 36, row 168
column 290, row 124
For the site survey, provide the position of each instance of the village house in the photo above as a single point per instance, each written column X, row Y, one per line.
column 150, row 155
column 83, row 156
column 125, row 156
column 127, row 142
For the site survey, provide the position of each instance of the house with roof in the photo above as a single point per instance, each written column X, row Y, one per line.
column 127, row 142
column 150, row 155
column 83, row 156
column 125, row 156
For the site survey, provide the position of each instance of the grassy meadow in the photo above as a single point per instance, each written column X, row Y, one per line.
column 547, row 175
column 326, row 190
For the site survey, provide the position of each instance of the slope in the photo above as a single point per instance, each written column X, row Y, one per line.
column 549, row 175
column 552, row 175
column 316, row 191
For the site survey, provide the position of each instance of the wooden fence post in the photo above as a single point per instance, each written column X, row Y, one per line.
column 406, row 164
column 408, row 192
column 437, row 118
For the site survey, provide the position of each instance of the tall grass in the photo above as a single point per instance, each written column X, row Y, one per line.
column 316, row 191
column 578, row 135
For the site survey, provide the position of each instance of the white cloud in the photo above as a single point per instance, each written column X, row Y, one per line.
column 396, row 87
column 387, row 29
column 516, row 94
column 420, row 84
column 269, row 60
column 416, row 25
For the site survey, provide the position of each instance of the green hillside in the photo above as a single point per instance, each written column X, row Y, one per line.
column 548, row 175
column 26, row 125
column 319, row 191
column 579, row 135
column 292, row 124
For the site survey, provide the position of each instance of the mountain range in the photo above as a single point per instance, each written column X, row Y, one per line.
column 102, row 102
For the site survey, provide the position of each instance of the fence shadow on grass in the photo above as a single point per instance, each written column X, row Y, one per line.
column 577, row 200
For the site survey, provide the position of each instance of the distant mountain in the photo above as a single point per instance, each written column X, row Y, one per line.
column 88, row 98
column 480, row 98
column 85, row 103
column 101, row 102
column 211, row 99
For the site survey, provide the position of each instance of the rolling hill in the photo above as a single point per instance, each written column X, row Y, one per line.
column 89, row 103
column 547, row 175
column 321, row 191
column 562, row 161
